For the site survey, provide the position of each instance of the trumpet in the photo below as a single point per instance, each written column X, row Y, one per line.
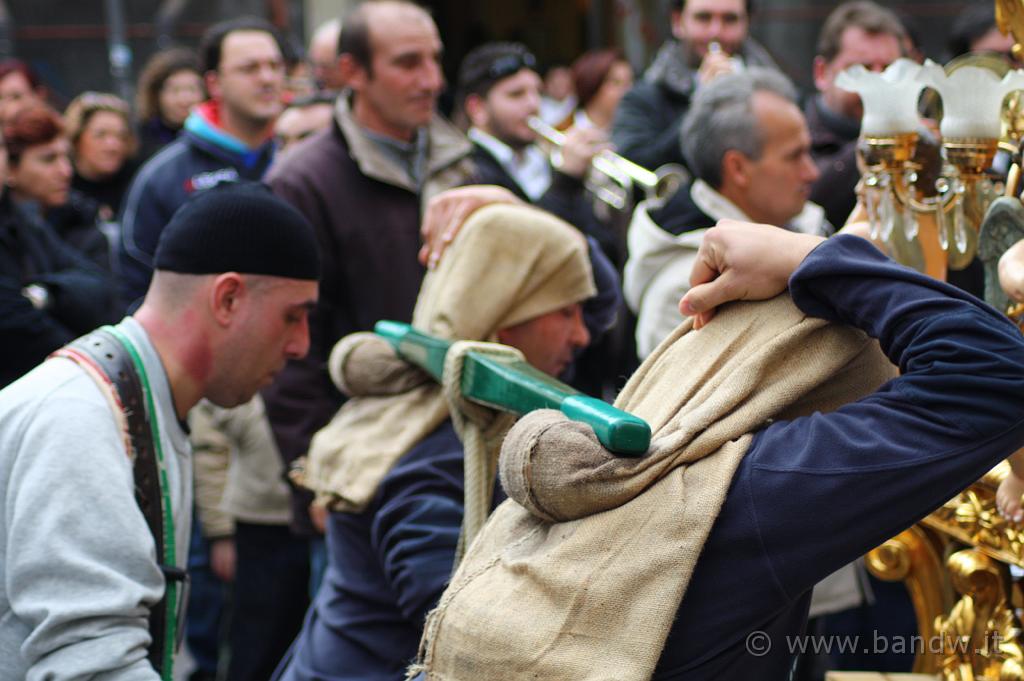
column 612, row 177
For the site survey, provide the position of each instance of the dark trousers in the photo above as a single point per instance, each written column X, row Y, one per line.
column 271, row 594
column 205, row 605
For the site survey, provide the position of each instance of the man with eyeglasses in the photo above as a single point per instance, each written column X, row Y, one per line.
column 710, row 38
column 228, row 137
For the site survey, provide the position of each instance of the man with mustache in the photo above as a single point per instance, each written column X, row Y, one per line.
column 710, row 38
column 363, row 183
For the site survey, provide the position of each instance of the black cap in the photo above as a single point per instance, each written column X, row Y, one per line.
column 239, row 227
column 490, row 63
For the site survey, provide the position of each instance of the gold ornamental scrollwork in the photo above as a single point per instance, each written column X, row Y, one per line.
column 980, row 636
column 915, row 557
column 972, row 518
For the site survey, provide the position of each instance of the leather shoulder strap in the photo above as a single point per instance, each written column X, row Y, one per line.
column 106, row 355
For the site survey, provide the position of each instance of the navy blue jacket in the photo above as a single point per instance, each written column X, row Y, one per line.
column 811, row 494
column 201, row 157
column 814, row 493
column 387, row 567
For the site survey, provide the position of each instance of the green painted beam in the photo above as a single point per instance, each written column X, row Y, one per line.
column 517, row 387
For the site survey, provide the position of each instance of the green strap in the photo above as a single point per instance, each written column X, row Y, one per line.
column 170, row 554
column 517, row 387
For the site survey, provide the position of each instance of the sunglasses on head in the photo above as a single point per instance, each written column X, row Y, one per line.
column 510, row 64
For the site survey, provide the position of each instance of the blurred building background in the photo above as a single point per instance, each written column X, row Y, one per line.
column 101, row 44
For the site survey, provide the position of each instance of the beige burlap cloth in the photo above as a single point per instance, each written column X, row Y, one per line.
column 507, row 265
column 579, row 575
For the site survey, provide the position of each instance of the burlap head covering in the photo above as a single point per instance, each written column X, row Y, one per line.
column 507, row 265
column 580, row 573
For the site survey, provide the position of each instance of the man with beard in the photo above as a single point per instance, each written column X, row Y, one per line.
column 710, row 39
column 500, row 91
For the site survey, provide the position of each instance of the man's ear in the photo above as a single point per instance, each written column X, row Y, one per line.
column 353, row 74
column 475, row 110
column 226, row 296
column 212, row 82
column 676, row 25
column 736, row 170
column 822, row 80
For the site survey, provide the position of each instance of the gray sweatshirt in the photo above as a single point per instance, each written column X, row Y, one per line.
column 78, row 565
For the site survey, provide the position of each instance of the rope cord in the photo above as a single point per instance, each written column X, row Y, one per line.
column 481, row 430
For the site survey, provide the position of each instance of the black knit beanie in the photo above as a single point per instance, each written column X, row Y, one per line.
column 239, row 227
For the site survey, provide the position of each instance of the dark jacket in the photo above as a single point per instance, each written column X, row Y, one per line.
column 201, row 157
column 366, row 213
column 680, row 214
column 108, row 193
column 387, row 568
column 154, row 135
column 77, row 222
column 834, row 149
column 813, row 494
column 80, row 294
column 566, row 197
column 646, row 125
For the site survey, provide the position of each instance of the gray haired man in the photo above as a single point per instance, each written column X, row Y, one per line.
column 747, row 143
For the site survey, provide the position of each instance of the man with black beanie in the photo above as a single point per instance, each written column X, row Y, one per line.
column 95, row 464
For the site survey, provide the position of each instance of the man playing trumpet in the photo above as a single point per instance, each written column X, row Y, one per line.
column 500, row 91
column 710, row 38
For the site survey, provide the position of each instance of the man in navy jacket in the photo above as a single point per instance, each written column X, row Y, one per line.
column 226, row 138
column 814, row 493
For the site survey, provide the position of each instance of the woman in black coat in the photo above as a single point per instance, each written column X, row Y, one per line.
column 49, row 292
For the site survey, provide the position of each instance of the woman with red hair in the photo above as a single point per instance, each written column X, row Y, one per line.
column 19, row 87
column 602, row 77
column 39, row 179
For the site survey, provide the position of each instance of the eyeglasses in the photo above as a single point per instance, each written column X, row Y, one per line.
column 505, row 66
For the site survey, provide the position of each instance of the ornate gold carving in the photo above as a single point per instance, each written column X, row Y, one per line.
column 915, row 556
column 981, row 634
column 971, row 518
column 1010, row 19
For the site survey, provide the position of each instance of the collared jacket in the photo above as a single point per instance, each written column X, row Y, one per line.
column 646, row 126
column 834, row 150
column 202, row 156
column 663, row 247
column 365, row 209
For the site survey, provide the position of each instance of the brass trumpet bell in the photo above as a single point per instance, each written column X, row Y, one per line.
column 612, row 177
